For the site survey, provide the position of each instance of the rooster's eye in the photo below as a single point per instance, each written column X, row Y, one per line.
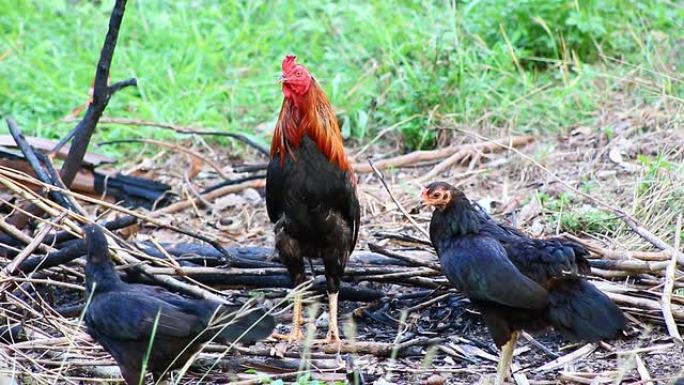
column 298, row 74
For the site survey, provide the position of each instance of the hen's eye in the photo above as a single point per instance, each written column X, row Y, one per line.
column 298, row 74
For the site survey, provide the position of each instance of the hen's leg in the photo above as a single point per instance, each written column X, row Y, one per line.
column 503, row 369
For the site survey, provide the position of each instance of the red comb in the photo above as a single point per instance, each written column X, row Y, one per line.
column 289, row 63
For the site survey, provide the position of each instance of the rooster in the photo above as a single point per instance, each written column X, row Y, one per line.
column 311, row 189
column 516, row 282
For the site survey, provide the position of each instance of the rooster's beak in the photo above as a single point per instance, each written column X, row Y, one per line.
column 281, row 79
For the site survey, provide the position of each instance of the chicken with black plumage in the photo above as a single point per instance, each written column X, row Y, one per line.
column 126, row 318
column 516, row 282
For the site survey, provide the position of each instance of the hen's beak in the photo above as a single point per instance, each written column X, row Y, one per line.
column 424, row 195
column 281, row 79
column 424, row 199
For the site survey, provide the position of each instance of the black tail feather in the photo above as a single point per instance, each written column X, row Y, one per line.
column 582, row 312
column 245, row 326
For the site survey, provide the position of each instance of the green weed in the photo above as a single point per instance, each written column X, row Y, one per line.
column 575, row 219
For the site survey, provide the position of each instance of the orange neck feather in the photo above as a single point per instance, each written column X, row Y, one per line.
column 311, row 114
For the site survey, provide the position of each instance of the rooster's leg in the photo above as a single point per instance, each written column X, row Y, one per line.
column 334, row 269
column 333, row 330
column 296, row 334
column 505, row 360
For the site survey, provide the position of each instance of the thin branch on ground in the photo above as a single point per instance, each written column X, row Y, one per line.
column 41, row 173
column 418, row 157
column 188, row 130
column 396, row 202
column 668, row 287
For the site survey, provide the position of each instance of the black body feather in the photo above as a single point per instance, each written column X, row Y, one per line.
column 314, row 206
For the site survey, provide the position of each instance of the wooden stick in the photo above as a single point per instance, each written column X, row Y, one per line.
column 18, row 235
column 176, row 147
column 210, row 196
column 35, row 164
column 396, row 202
column 631, row 266
column 677, row 311
column 568, row 358
column 101, row 95
column 666, row 297
column 187, row 130
column 464, row 153
column 643, row 371
column 403, row 257
column 43, row 204
column 621, row 254
column 27, row 251
column 427, row 156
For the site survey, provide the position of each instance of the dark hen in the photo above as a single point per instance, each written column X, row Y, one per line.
column 517, row 283
column 124, row 317
column 311, row 189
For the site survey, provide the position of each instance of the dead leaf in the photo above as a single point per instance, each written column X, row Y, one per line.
column 537, row 228
column 435, row 379
column 252, row 196
column 531, row 210
column 230, row 200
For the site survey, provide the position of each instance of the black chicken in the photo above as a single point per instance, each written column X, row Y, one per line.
column 516, row 282
column 124, row 317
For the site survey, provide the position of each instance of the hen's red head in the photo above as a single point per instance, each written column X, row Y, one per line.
column 441, row 194
column 295, row 78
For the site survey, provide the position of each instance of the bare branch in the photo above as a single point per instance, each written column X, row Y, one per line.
column 43, row 175
column 101, row 94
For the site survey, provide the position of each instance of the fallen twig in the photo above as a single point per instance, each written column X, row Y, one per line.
column 41, row 173
column 432, row 155
column 187, row 130
column 26, row 252
column 643, row 371
column 643, row 303
column 568, row 358
column 432, row 264
column 622, row 254
column 176, row 147
column 666, row 297
column 396, row 202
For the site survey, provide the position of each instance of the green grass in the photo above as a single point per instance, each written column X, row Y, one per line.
column 537, row 66
column 570, row 218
